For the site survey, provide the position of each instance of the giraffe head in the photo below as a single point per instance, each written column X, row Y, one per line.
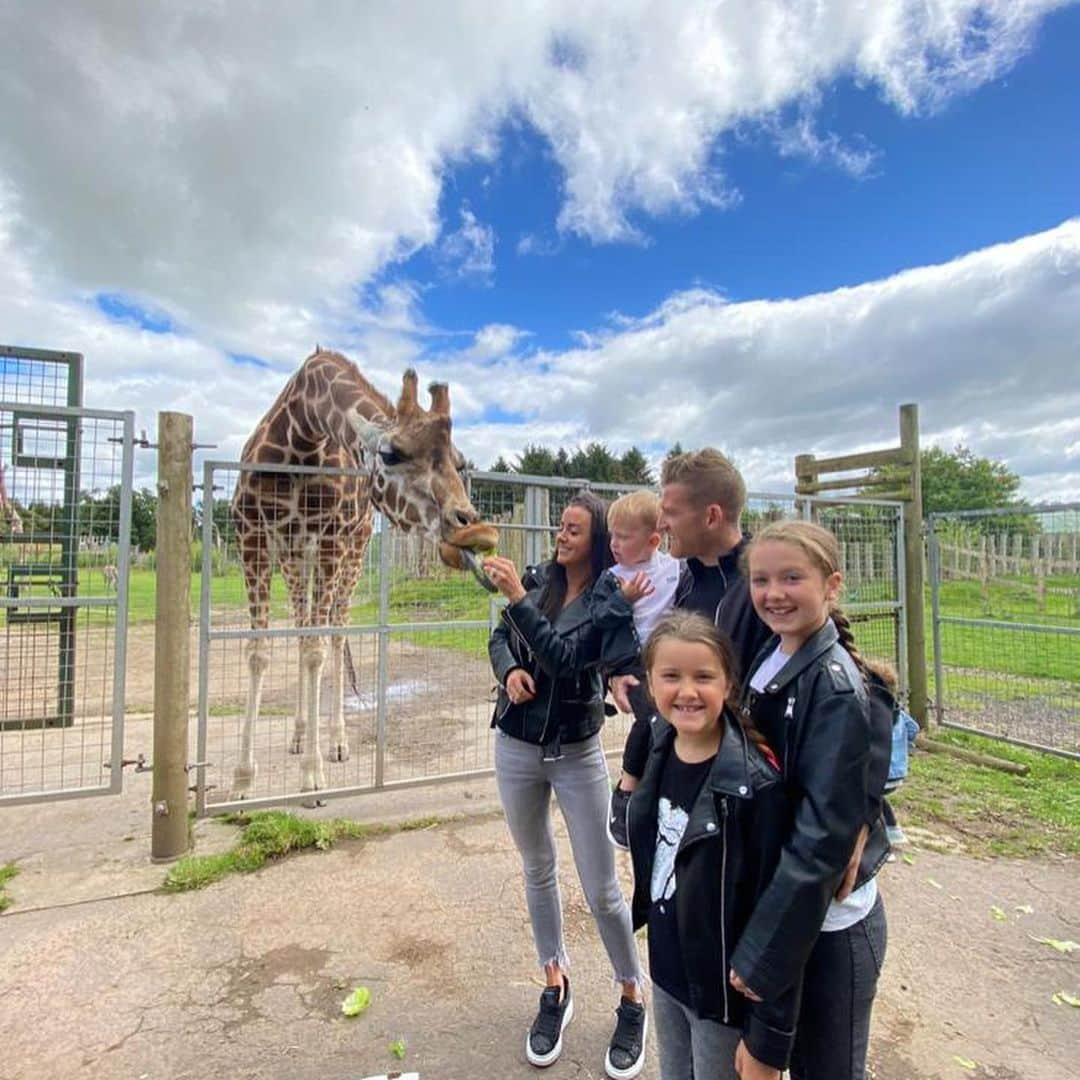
column 418, row 474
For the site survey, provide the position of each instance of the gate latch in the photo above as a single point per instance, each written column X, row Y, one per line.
column 139, row 761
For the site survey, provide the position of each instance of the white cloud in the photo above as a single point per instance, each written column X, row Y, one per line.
column 986, row 344
column 245, row 169
column 249, row 174
column 469, row 251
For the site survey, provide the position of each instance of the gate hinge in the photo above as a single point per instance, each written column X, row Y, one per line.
column 197, row 765
column 139, row 761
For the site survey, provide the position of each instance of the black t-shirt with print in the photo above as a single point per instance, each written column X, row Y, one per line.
column 680, row 784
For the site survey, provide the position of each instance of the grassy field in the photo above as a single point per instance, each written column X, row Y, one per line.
column 991, row 812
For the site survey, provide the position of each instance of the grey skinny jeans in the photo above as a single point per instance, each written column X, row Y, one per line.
column 582, row 786
column 690, row 1047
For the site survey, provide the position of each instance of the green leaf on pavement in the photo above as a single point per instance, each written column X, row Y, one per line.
column 356, row 1002
column 397, row 1048
column 1061, row 946
column 998, row 913
column 964, row 1063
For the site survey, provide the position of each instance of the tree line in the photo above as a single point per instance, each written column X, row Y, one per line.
column 951, row 480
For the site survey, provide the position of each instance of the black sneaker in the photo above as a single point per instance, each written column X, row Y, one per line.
column 626, row 1054
column 616, row 818
column 543, row 1044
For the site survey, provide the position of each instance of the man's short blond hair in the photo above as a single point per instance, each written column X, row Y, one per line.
column 710, row 478
column 635, row 508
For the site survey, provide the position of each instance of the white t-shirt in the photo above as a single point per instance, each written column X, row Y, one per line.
column 841, row 913
column 663, row 571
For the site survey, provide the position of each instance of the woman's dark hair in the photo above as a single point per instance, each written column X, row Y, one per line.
column 553, row 595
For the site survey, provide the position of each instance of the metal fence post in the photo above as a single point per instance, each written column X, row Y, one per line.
column 914, row 600
column 383, row 649
column 204, row 635
column 172, row 691
column 935, row 624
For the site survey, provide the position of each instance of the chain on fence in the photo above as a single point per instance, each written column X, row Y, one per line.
column 64, row 504
column 1005, row 602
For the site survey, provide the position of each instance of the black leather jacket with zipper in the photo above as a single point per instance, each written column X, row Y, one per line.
column 563, row 657
column 834, row 753
column 725, row 860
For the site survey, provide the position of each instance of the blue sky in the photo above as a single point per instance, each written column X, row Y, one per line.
column 977, row 172
column 762, row 226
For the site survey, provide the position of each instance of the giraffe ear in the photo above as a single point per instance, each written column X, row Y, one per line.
column 407, row 403
column 440, row 398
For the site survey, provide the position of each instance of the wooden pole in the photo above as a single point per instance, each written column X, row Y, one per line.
column 913, row 563
column 169, row 827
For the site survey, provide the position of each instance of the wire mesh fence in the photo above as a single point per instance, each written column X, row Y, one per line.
column 65, row 495
column 399, row 660
column 872, row 563
column 1005, row 605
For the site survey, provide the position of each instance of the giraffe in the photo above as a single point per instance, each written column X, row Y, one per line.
column 316, row 527
column 7, row 508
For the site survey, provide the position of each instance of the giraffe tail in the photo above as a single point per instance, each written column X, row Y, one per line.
column 350, row 670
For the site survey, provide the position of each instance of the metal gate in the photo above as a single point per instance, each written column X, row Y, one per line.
column 417, row 633
column 65, row 519
column 1005, row 605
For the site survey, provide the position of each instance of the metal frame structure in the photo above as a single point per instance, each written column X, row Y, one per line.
column 65, row 607
column 538, row 526
column 939, row 620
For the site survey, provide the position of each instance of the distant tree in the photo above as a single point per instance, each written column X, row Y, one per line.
column 634, row 468
column 961, row 480
column 675, row 451
column 501, row 465
column 597, row 463
column 535, row 460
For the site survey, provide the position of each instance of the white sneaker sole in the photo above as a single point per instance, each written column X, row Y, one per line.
column 628, row 1074
column 541, row 1061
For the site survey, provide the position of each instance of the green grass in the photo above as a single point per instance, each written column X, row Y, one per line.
column 992, row 812
column 269, row 835
column 7, row 872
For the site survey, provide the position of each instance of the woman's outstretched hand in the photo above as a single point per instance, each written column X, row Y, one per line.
column 749, row 1068
column 504, row 576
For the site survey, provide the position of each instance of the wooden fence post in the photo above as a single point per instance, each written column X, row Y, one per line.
column 172, row 692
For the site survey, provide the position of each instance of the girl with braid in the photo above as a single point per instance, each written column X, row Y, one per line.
column 814, row 700
column 706, row 826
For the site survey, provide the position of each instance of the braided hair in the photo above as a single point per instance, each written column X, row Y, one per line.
column 694, row 628
column 822, row 548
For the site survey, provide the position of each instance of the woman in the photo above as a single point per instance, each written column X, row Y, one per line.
column 545, row 653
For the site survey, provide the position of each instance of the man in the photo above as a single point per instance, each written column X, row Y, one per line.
column 702, row 499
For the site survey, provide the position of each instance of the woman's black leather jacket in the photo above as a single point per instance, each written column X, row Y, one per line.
column 834, row 760
column 563, row 658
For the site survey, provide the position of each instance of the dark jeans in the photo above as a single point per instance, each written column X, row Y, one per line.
column 639, row 738
column 838, row 995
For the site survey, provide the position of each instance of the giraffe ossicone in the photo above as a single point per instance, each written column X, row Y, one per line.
column 399, row 460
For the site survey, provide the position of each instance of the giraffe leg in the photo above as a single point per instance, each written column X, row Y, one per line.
column 313, row 656
column 255, row 557
column 296, row 743
column 245, row 772
column 296, row 572
column 350, row 567
column 338, row 750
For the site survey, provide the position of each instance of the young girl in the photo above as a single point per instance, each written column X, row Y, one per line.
column 706, row 825
column 807, row 695
column 545, row 653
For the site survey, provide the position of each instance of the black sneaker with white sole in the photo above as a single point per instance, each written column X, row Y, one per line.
column 626, row 1054
column 616, row 818
column 543, row 1044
